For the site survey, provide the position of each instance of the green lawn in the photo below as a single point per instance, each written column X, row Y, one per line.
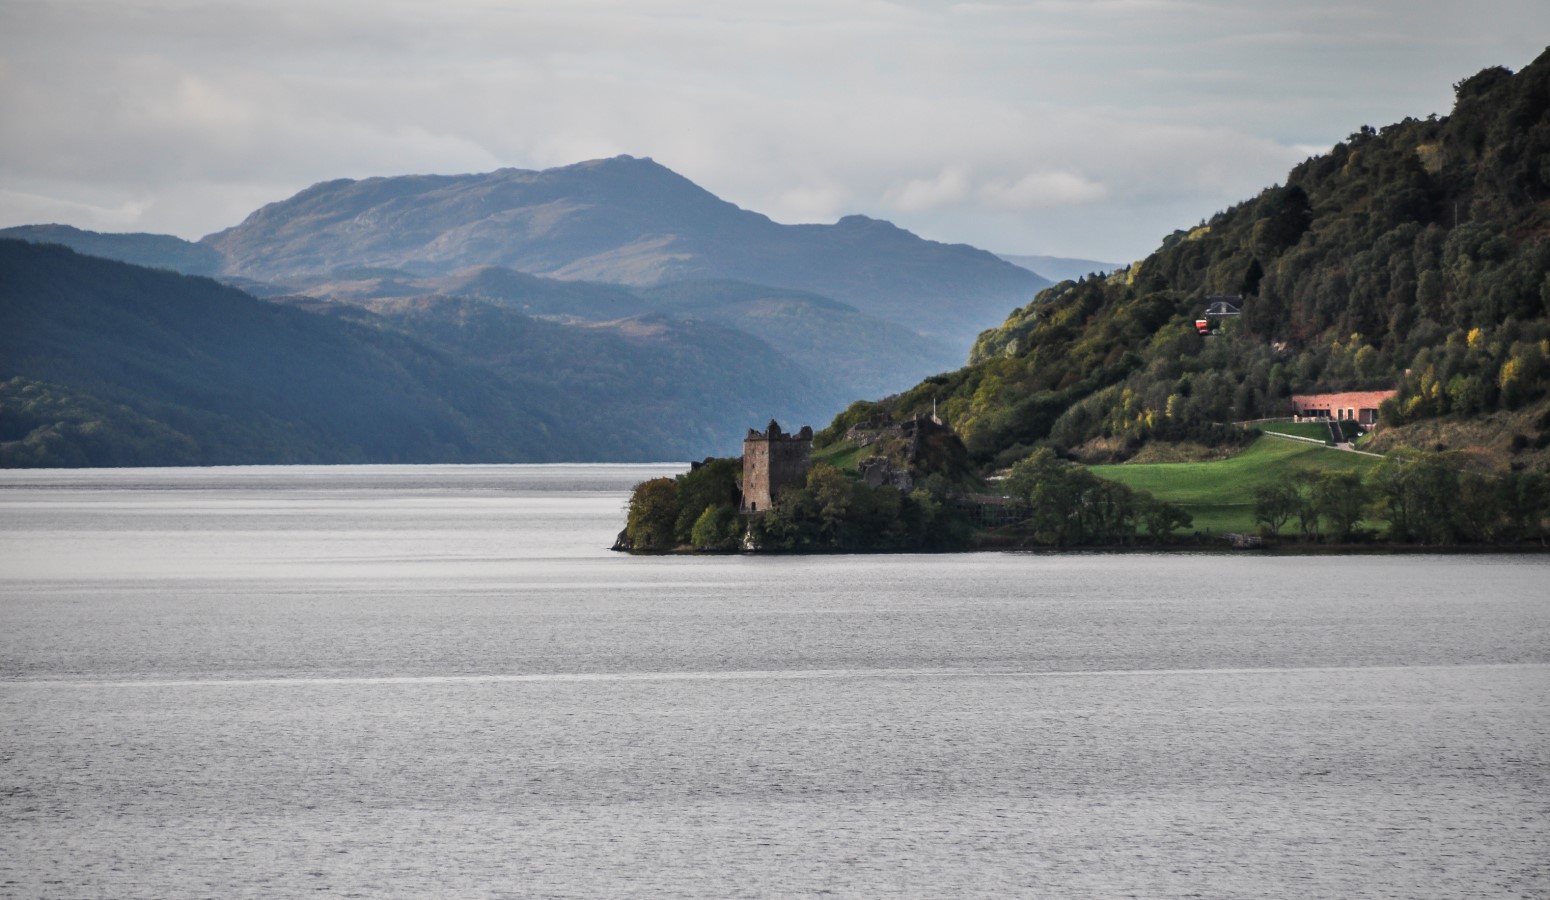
column 1319, row 431
column 841, row 455
column 1220, row 495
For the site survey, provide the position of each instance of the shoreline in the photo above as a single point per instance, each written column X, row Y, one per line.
column 1269, row 549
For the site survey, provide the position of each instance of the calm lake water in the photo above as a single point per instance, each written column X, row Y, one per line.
column 437, row 681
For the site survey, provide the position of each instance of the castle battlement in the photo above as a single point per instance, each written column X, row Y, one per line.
column 773, row 433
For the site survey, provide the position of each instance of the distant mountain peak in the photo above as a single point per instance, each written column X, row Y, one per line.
column 623, row 160
column 856, row 221
column 623, row 220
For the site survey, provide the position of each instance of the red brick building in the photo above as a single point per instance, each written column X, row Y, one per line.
column 1359, row 405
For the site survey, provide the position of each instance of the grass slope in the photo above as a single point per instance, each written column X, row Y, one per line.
column 1318, row 431
column 1220, row 494
column 842, row 455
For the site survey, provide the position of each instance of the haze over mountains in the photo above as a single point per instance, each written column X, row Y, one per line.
column 621, row 221
column 634, row 315
column 1057, row 268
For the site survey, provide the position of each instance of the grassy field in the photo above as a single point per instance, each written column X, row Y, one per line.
column 1220, row 495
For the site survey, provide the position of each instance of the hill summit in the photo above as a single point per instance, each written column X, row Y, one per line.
column 625, row 221
column 1413, row 257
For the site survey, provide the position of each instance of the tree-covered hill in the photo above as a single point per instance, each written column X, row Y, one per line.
column 107, row 363
column 1414, row 256
column 642, row 387
column 104, row 363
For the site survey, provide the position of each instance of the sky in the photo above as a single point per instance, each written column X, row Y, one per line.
column 1085, row 128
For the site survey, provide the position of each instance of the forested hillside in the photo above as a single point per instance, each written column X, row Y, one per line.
column 1414, row 256
column 110, row 364
column 843, row 352
column 104, row 363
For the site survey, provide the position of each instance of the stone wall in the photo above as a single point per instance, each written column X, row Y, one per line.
column 772, row 460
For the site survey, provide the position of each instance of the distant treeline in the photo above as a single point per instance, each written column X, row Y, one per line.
column 1053, row 503
column 1416, row 497
column 829, row 512
column 1411, row 498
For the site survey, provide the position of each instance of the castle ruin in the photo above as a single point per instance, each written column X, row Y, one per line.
column 771, row 461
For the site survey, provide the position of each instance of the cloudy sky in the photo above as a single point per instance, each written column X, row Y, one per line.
column 1070, row 127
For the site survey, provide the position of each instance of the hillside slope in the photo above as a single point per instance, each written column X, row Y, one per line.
column 154, row 251
column 830, row 344
column 1416, row 256
column 643, row 387
column 246, row 381
column 104, row 363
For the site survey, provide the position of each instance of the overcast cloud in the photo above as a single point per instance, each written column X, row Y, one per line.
column 1071, row 127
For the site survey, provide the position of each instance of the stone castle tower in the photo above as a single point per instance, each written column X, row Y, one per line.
column 771, row 461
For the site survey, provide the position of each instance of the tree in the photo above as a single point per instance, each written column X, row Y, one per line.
column 1162, row 518
column 708, row 484
column 653, row 513
column 1071, row 506
column 1307, row 513
column 717, row 528
column 1040, row 480
column 831, row 494
column 1525, row 505
column 1416, row 493
column 1275, row 505
column 1339, row 498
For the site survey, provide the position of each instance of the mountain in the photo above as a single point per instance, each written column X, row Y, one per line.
column 1060, row 268
column 528, row 294
column 623, row 221
column 645, row 387
column 854, row 353
column 1414, row 257
column 156, row 251
column 851, row 353
column 624, row 293
column 240, row 380
column 105, row 363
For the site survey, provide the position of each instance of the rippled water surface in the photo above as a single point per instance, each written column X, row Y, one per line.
column 437, row 681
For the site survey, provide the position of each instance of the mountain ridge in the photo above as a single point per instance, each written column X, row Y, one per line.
column 156, row 251
column 107, row 363
column 625, row 221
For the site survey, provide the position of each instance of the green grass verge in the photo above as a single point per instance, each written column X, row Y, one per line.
column 1319, row 431
column 842, row 455
column 1220, row 494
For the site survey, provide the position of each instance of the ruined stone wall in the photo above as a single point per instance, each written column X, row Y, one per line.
column 756, row 475
column 789, row 462
column 771, row 461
